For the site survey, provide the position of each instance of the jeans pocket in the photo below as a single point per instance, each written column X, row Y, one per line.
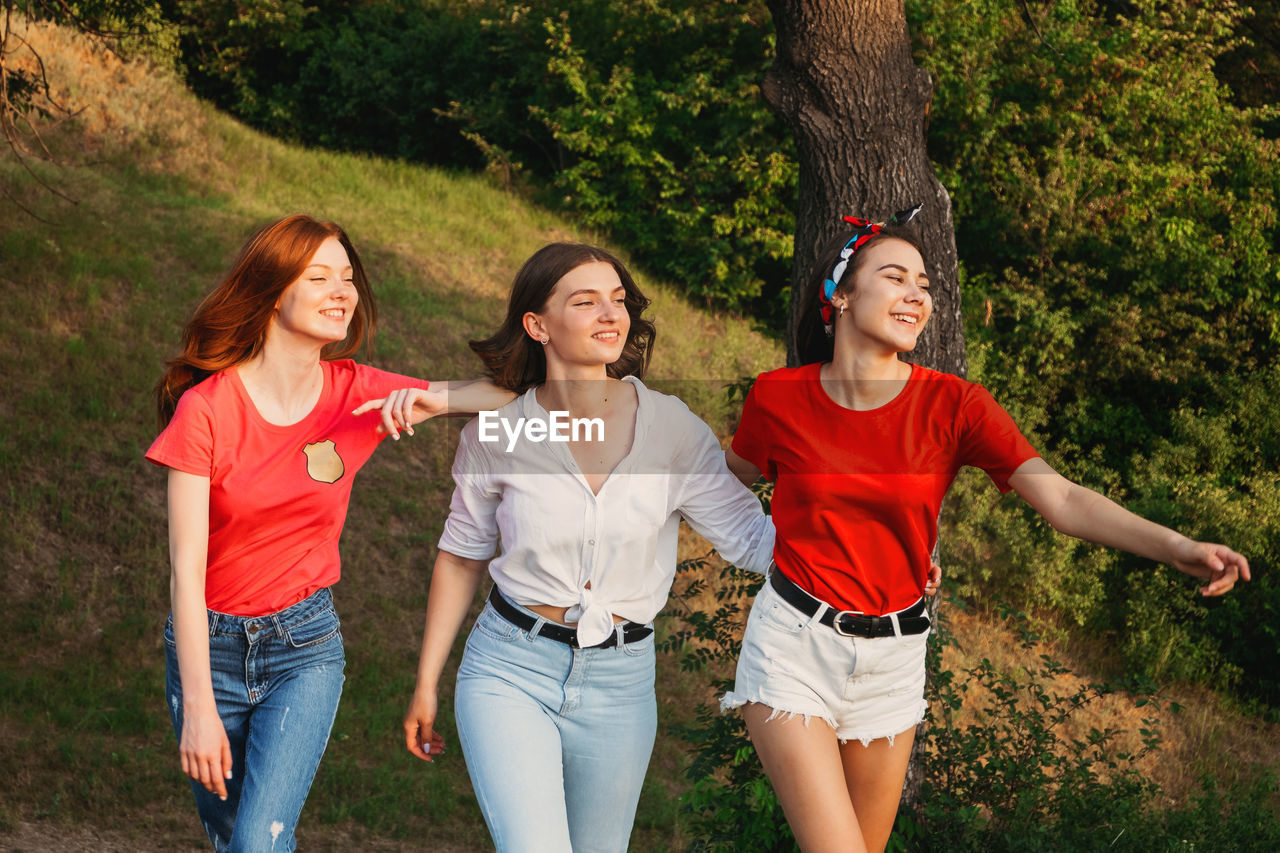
column 779, row 616
column 640, row 648
column 492, row 625
column 319, row 627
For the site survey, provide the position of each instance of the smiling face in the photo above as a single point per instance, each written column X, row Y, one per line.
column 584, row 321
column 320, row 303
column 887, row 303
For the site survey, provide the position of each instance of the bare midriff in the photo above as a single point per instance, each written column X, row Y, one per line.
column 556, row 614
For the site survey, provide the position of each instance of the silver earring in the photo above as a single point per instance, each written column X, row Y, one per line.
column 545, row 341
column 841, row 314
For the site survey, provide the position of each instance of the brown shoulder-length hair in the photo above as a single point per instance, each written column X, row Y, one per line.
column 813, row 344
column 230, row 324
column 516, row 361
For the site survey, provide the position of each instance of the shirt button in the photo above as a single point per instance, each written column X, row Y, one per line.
column 591, row 541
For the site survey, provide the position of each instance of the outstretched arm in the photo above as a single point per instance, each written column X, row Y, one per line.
column 454, row 582
column 1083, row 513
column 403, row 408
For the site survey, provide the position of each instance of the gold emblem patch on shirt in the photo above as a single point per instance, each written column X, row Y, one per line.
column 324, row 465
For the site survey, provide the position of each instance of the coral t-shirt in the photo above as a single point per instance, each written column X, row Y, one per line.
column 857, row 493
column 277, row 494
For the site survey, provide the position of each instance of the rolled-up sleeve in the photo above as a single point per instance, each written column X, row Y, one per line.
column 719, row 507
column 471, row 530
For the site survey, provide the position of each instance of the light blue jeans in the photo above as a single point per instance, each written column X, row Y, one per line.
column 557, row 739
column 276, row 680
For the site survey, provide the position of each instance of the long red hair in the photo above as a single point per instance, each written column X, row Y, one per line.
column 230, row 324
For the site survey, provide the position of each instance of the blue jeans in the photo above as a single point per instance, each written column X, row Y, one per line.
column 276, row 681
column 556, row 739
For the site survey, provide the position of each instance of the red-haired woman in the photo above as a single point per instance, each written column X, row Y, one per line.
column 261, row 443
column 862, row 447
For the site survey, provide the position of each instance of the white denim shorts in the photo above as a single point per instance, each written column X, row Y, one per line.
column 863, row 688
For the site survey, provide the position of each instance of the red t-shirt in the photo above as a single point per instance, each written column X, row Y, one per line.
column 277, row 494
column 857, row 493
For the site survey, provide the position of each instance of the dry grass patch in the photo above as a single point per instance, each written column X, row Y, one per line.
column 1205, row 738
column 115, row 103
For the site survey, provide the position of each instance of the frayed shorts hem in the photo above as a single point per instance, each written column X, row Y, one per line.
column 732, row 701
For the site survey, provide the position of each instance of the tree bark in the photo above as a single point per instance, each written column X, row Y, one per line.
column 845, row 83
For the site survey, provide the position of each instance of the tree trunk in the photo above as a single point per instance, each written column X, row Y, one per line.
column 845, row 83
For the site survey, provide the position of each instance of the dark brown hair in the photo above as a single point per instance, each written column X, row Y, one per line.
column 230, row 324
column 516, row 361
column 813, row 344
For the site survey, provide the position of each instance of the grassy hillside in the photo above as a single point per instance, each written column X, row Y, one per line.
column 162, row 192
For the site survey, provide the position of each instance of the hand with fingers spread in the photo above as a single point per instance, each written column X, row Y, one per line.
column 206, row 752
column 404, row 407
column 420, row 736
column 1218, row 564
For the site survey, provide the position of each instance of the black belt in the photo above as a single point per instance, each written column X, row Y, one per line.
column 631, row 631
column 910, row 621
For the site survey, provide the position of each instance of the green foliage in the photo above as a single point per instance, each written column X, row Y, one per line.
column 1252, row 68
column 371, row 77
column 666, row 144
column 730, row 801
column 1117, row 223
column 235, row 52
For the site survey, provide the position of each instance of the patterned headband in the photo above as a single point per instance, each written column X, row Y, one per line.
column 863, row 230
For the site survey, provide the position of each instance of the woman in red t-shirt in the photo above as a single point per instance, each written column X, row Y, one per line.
column 262, row 443
column 862, row 447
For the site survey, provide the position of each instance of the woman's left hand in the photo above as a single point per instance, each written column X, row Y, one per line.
column 935, row 579
column 404, row 407
column 1218, row 564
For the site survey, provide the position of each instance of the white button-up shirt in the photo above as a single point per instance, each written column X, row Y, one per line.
column 557, row 536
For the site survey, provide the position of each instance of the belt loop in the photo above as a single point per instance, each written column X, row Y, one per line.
column 823, row 607
column 213, row 622
column 536, row 630
column 275, row 621
column 620, row 634
column 897, row 629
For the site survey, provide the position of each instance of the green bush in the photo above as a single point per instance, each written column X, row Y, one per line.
column 1116, row 219
column 667, row 145
column 730, row 802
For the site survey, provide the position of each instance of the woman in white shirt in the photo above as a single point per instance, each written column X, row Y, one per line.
column 584, row 478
